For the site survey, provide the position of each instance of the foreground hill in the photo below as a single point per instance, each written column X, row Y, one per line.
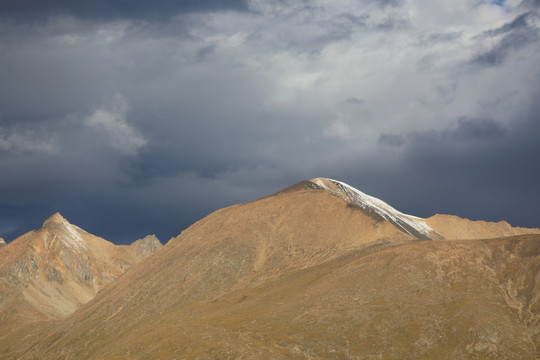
column 318, row 270
column 49, row 273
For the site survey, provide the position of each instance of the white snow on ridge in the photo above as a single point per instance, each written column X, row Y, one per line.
column 75, row 238
column 405, row 222
column 69, row 235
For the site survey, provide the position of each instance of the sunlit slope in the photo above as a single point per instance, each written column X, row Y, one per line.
column 48, row 273
column 306, row 274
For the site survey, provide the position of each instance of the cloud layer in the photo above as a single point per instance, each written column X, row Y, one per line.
column 143, row 119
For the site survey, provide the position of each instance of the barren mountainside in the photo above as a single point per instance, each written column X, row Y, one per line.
column 318, row 270
column 454, row 227
column 49, row 273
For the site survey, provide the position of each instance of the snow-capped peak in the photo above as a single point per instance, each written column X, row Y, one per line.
column 412, row 225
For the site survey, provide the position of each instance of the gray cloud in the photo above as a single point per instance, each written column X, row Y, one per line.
column 17, row 140
column 131, row 124
column 477, row 129
column 476, row 167
column 519, row 22
column 519, row 33
column 530, row 3
column 111, row 123
column 112, row 9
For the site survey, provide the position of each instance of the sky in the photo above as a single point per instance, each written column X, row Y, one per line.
column 141, row 117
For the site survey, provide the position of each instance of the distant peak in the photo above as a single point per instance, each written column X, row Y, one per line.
column 146, row 246
column 151, row 238
column 56, row 218
column 69, row 234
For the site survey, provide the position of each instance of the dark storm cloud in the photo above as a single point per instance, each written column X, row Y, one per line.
column 465, row 130
column 392, row 3
column 470, row 167
column 530, row 3
column 517, row 34
column 477, row 129
column 112, row 9
column 129, row 127
column 518, row 23
column 437, row 38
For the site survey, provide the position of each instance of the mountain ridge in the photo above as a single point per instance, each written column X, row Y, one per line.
column 309, row 273
column 253, row 280
column 378, row 209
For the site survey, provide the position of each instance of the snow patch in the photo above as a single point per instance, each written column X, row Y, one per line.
column 75, row 239
column 404, row 222
column 69, row 235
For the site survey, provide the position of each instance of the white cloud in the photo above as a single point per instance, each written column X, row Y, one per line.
column 111, row 121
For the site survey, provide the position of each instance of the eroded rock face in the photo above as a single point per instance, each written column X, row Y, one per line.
column 145, row 246
column 56, row 269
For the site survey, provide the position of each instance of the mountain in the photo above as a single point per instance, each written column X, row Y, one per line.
column 61, row 266
column 49, row 273
column 2, row 242
column 317, row 270
column 437, row 227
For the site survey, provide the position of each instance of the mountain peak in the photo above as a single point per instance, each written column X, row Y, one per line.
column 69, row 234
column 53, row 270
column 353, row 195
column 146, row 246
column 56, row 219
column 377, row 208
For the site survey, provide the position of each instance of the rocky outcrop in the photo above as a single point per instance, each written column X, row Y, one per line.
column 145, row 246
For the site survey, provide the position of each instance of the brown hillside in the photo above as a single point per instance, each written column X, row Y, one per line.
column 49, row 273
column 302, row 274
column 454, row 227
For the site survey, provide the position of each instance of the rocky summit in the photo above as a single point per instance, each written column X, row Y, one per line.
column 145, row 246
column 318, row 270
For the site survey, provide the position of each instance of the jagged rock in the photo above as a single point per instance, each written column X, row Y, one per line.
column 145, row 246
